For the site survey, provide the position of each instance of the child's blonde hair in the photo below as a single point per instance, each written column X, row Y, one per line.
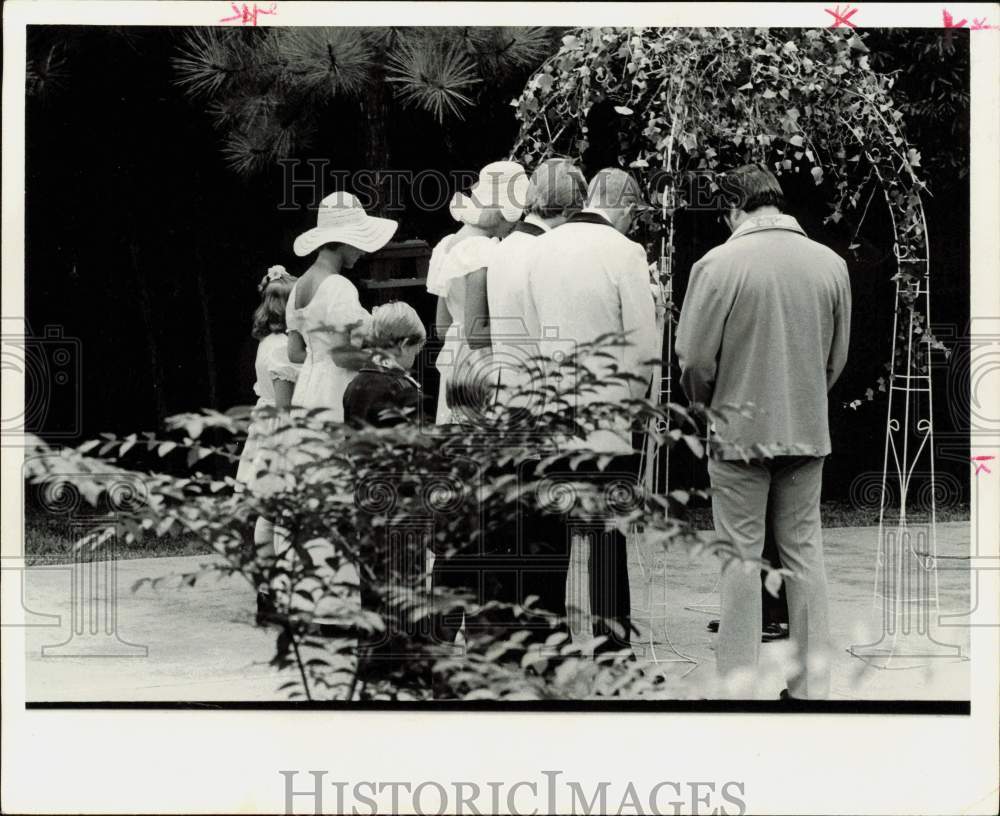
column 269, row 316
column 393, row 323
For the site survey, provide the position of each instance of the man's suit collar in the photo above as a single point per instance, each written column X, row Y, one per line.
column 528, row 228
column 759, row 223
column 589, row 217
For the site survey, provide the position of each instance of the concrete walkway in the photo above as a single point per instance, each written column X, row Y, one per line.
column 690, row 592
column 199, row 643
column 167, row 643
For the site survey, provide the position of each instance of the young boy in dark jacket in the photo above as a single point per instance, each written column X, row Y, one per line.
column 383, row 393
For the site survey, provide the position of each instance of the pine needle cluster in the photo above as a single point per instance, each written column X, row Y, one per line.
column 266, row 89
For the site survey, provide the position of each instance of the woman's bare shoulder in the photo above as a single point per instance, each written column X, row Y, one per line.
column 312, row 288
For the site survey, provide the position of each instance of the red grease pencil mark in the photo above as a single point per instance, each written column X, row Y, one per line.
column 842, row 17
column 977, row 459
column 247, row 14
column 978, row 23
column 949, row 21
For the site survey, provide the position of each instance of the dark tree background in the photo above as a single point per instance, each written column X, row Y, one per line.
column 146, row 246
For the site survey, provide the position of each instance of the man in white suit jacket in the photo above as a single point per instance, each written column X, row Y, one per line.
column 537, row 543
column 587, row 279
column 557, row 190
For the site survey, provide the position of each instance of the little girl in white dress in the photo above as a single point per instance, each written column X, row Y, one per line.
column 276, row 374
column 261, row 469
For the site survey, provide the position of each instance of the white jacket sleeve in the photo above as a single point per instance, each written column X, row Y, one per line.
column 638, row 320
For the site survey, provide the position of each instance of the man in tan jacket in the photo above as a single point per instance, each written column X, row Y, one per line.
column 765, row 323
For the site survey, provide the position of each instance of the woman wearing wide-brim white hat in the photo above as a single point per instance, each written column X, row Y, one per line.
column 457, row 271
column 326, row 322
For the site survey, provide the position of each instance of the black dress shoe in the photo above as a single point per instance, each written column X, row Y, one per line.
column 799, row 703
column 773, row 631
column 654, row 677
column 768, row 632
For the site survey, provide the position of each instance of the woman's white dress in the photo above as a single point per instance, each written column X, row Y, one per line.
column 451, row 261
column 270, row 363
column 331, row 319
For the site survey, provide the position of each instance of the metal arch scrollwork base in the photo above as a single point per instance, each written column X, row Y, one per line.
column 906, row 581
column 907, row 602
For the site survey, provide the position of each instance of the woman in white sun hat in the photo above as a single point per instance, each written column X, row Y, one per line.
column 326, row 322
column 326, row 328
column 457, row 271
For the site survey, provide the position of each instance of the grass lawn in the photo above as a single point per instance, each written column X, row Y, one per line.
column 49, row 539
column 844, row 514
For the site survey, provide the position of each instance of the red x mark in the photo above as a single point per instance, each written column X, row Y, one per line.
column 977, row 459
column 246, row 14
column 978, row 23
column 842, row 17
column 949, row 21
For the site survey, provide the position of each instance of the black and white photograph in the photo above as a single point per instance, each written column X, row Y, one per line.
column 364, row 365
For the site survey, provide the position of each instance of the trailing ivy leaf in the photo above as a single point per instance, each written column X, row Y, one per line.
column 127, row 445
column 695, row 444
column 857, row 44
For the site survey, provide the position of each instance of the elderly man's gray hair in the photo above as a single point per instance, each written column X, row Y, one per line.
column 557, row 187
column 613, row 189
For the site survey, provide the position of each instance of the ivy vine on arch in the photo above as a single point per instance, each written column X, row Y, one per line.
column 698, row 101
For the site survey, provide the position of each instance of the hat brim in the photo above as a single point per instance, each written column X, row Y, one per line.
column 511, row 198
column 369, row 235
